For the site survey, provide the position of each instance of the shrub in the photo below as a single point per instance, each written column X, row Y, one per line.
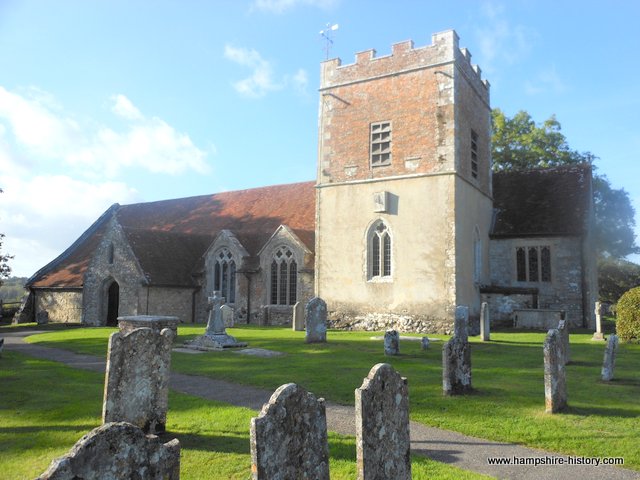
column 628, row 310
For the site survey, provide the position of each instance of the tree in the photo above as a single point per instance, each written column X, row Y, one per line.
column 5, row 269
column 615, row 277
column 518, row 143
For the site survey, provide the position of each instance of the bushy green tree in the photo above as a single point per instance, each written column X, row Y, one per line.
column 628, row 313
column 615, row 277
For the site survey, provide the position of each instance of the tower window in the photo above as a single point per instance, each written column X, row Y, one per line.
column 379, row 252
column 474, row 154
column 283, row 278
column 380, row 144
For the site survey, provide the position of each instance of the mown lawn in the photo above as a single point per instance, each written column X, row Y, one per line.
column 46, row 407
column 508, row 405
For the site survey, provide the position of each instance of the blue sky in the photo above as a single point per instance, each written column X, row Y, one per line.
column 107, row 101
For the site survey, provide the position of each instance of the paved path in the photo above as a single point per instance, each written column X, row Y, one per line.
column 444, row 446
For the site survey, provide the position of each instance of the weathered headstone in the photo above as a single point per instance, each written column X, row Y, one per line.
column 227, row 316
column 289, row 437
column 456, row 357
column 42, row 317
column 298, row 317
column 555, row 383
column 215, row 336
column 424, row 343
column 264, row 315
column 382, row 425
column 598, row 336
column 157, row 323
column 316, row 321
column 563, row 328
column 391, row 342
column 609, row 362
column 136, row 387
column 117, row 451
column 1, row 345
column 485, row 322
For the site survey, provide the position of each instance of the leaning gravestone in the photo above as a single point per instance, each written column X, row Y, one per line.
column 609, row 362
column 391, row 342
column 137, row 379
column 298, row 317
column 289, row 437
column 316, row 321
column 382, row 425
column 555, row 382
column 485, row 323
column 456, row 357
column 117, row 451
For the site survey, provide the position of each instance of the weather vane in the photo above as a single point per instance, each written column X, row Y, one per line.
column 327, row 34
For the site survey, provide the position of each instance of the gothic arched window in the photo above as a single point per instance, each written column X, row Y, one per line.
column 224, row 275
column 379, row 251
column 284, row 277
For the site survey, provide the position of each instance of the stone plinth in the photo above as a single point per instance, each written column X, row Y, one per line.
column 157, row 323
column 555, row 383
column 117, row 451
column 485, row 322
column 316, row 321
column 289, row 437
column 298, row 317
column 382, row 425
column 609, row 362
column 136, row 386
column 391, row 342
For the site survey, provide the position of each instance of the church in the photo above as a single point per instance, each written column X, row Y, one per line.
column 404, row 221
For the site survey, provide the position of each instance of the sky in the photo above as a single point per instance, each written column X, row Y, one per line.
column 127, row 101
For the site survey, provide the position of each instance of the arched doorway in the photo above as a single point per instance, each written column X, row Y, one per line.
column 113, row 301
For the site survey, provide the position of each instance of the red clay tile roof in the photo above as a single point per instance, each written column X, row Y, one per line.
column 179, row 231
column 542, row 202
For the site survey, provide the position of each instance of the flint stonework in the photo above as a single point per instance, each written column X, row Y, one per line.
column 289, row 437
column 609, row 362
column 598, row 335
column 485, row 323
column 137, row 379
column 298, row 317
column 391, row 342
column 383, row 446
column 563, row 328
column 555, row 383
column 316, row 321
column 117, row 451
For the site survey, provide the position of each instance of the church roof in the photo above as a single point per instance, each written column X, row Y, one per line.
column 542, row 202
column 169, row 236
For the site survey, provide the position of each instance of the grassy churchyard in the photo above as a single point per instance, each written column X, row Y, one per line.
column 46, row 407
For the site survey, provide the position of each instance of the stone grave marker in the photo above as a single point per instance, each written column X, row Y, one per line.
column 383, row 445
column 215, row 336
column 298, row 317
column 609, row 362
column 485, row 322
column 227, row 316
column 316, row 321
column 598, row 336
column 264, row 315
column 461, row 323
column 157, row 323
column 456, row 357
column 137, row 378
column 289, row 437
column 391, row 342
column 555, row 382
column 424, row 343
column 563, row 328
column 117, row 451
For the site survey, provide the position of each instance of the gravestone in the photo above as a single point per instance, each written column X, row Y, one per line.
column 563, row 328
column 42, row 317
column 157, row 323
column 391, row 342
column 298, row 317
column 485, row 323
column 424, row 343
column 215, row 336
column 289, row 437
column 598, row 336
column 555, row 382
column 456, row 357
column 609, row 362
column 137, row 378
column 264, row 315
column 383, row 445
column 1, row 345
column 316, row 321
column 117, row 451
column 227, row 316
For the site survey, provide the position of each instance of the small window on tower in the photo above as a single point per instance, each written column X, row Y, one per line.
column 380, row 144
column 474, row 154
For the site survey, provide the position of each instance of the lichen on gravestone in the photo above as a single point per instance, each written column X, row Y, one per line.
column 316, row 321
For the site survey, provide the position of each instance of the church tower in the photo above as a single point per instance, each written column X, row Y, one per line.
column 404, row 200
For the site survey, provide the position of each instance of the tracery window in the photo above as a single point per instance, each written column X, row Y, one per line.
column 224, row 275
column 379, row 251
column 533, row 264
column 284, row 277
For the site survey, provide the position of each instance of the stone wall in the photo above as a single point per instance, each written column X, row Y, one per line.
column 177, row 302
column 61, row 305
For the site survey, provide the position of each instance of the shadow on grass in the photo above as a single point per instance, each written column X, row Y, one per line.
column 601, row 411
column 49, row 428
column 210, row 442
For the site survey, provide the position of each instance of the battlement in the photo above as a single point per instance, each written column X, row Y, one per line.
column 443, row 50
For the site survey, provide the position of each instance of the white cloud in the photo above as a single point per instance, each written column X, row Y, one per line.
column 123, row 107
column 261, row 79
column 300, row 81
column 547, row 81
column 281, row 6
